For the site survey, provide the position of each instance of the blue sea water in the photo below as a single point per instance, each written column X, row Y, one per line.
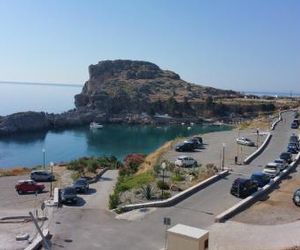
column 118, row 140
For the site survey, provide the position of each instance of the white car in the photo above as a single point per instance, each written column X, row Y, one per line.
column 282, row 163
column 185, row 161
column 245, row 141
column 272, row 169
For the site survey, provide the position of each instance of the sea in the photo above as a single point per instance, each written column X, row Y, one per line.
column 30, row 149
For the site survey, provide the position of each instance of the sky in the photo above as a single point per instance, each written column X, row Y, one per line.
column 248, row 45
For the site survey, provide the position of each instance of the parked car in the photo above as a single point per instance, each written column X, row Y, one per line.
column 292, row 148
column 282, row 163
column 272, row 169
column 287, row 157
column 81, row 185
column 243, row 187
column 260, row 178
column 29, row 186
column 185, row 147
column 296, row 197
column 185, row 161
column 41, row 176
column 245, row 141
column 294, row 139
column 296, row 121
column 294, row 125
column 68, row 195
column 199, row 139
column 195, row 141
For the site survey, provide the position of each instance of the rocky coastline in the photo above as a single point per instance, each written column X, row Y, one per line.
column 132, row 92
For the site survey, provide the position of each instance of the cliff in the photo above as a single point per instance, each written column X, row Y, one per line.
column 125, row 86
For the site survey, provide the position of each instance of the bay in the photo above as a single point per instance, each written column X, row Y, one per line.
column 119, row 140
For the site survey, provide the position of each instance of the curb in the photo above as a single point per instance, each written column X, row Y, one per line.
column 240, row 206
column 37, row 241
column 178, row 197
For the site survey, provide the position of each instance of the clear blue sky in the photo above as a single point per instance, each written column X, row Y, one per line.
column 232, row 44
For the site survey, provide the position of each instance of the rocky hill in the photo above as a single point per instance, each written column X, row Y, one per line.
column 125, row 86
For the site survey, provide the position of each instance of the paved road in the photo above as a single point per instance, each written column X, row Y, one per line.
column 97, row 229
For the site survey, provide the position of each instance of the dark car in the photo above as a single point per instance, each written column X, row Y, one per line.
column 296, row 197
column 294, row 139
column 68, row 195
column 81, row 185
column 194, row 142
column 296, row 121
column 29, row 186
column 185, row 147
column 293, row 148
column 260, row 178
column 199, row 139
column 243, row 187
column 294, row 125
column 286, row 156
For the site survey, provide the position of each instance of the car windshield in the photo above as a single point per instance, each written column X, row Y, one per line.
column 69, row 191
column 80, row 182
column 278, row 161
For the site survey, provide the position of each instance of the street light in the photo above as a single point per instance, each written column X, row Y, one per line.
column 163, row 167
column 44, row 157
column 51, row 167
column 257, row 137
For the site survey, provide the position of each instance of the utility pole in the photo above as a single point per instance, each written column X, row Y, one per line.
column 45, row 242
column 44, row 157
column 223, row 155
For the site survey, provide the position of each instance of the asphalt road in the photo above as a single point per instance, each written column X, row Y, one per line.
column 94, row 228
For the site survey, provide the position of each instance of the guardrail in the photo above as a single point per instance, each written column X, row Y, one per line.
column 253, row 198
column 178, row 197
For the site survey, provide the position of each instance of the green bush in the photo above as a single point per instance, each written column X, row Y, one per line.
column 114, row 200
column 147, row 192
column 177, row 177
column 162, row 185
column 165, row 195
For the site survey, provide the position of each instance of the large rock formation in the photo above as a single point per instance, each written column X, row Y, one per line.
column 123, row 91
column 124, row 86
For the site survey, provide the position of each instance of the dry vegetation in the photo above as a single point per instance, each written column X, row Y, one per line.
column 14, row 171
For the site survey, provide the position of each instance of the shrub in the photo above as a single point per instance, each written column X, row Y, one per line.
column 165, row 195
column 177, row 177
column 147, row 192
column 157, row 169
column 114, row 200
column 133, row 161
column 162, row 185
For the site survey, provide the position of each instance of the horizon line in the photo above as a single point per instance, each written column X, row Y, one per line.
column 42, row 83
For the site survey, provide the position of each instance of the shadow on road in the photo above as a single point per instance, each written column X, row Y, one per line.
column 106, row 179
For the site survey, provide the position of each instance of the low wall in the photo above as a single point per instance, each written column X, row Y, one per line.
column 259, row 150
column 239, row 207
column 178, row 197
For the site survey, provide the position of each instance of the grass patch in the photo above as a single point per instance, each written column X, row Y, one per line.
column 134, row 181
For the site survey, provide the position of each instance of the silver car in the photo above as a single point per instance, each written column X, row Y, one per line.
column 41, row 175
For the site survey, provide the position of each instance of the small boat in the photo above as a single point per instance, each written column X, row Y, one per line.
column 95, row 125
column 189, row 128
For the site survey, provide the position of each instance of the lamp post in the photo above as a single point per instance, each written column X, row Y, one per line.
column 44, row 157
column 51, row 167
column 163, row 167
column 223, row 155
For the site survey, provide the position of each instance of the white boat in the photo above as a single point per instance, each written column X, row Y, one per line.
column 95, row 125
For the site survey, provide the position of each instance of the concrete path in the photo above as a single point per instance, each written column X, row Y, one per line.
column 98, row 196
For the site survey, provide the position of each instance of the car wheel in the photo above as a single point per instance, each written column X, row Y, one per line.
column 40, row 190
column 19, row 192
column 297, row 200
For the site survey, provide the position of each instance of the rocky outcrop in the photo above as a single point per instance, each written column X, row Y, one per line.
column 125, row 86
column 24, row 121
